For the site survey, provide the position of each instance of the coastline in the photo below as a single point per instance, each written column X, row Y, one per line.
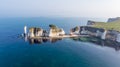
column 64, row 36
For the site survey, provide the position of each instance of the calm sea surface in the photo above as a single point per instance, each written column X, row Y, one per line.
column 16, row 52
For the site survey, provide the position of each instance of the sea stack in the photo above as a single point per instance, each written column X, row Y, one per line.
column 118, row 38
column 104, row 35
column 25, row 30
column 36, row 32
column 55, row 31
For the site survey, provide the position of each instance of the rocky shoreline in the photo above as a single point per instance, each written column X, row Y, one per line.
column 78, row 31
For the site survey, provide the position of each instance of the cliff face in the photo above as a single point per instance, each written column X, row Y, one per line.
column 75, row 30
column 100, row 32
column 91, row 31
column 55, row 31
column 113, row 19
column 112, row 35
column 35, row 32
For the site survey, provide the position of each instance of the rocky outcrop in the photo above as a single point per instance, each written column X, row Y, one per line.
column 113, row 19
column 55, row 31
column 99, row 32
column 112, row 35
column 90, row 22
column 118, row 37
column 87, row 30
column 75, row 30
column 35, row 32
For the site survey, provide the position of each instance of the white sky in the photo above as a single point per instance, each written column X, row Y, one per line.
column 62, row 8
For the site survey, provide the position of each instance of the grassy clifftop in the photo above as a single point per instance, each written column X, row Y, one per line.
column 115, row 25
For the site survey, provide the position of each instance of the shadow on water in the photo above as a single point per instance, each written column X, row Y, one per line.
column 43, row 40
column 100, row 42
column 94, row 40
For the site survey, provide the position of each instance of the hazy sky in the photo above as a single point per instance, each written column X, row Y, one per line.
column 59, row 8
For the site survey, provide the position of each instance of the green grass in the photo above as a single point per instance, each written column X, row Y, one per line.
column 108, row 26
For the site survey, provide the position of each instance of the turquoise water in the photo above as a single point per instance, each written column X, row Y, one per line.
column 15, row 52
